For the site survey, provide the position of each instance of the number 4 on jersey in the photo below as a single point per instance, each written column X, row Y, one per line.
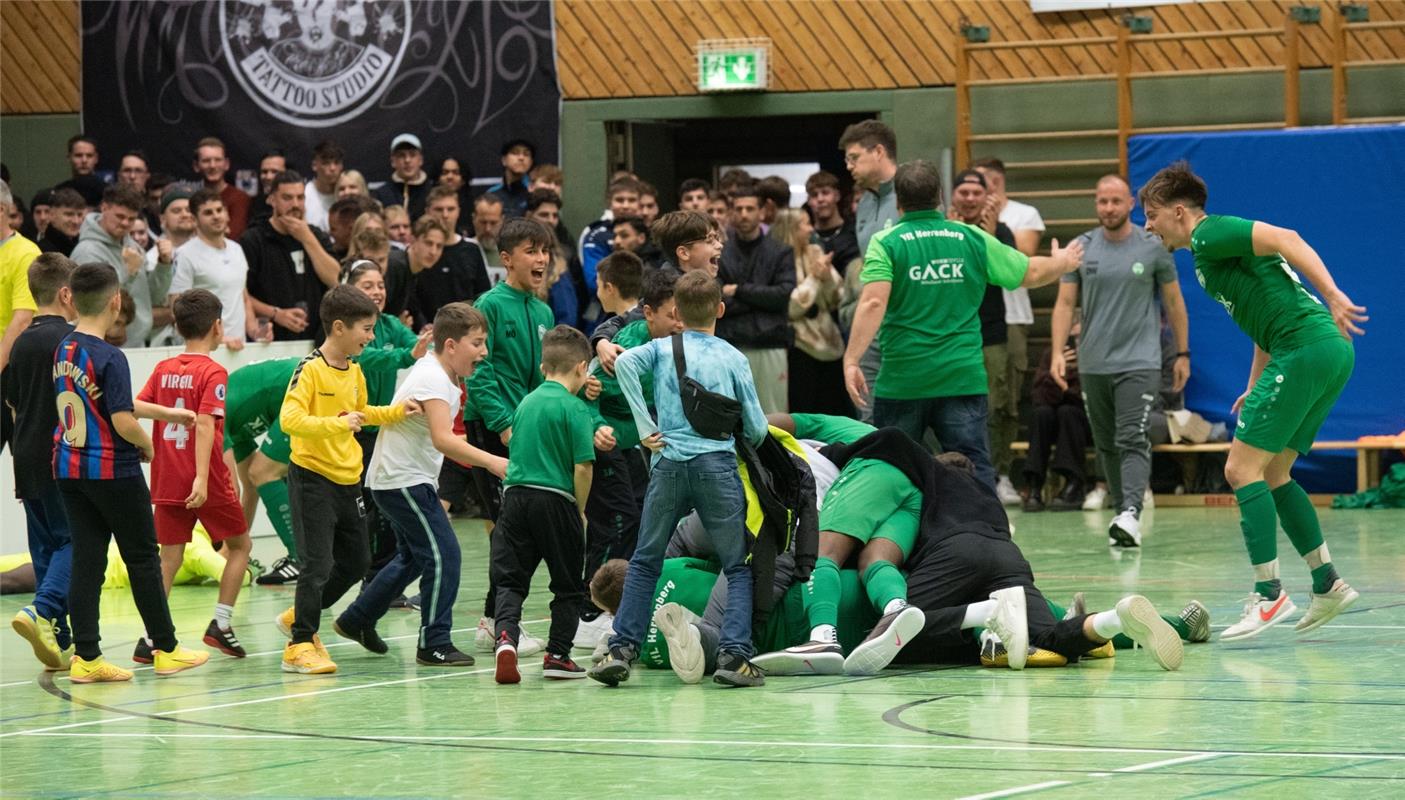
column 179, row 434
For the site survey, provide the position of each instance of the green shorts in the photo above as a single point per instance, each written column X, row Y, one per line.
column 1293, row 396
column 873, row 499
column 244, row 440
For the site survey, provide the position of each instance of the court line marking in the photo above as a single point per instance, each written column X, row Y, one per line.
column 1033, row 787
column 1168, row 762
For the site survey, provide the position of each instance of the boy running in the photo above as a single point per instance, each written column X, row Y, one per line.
column 1302, row 359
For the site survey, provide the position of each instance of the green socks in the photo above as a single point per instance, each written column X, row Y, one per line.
column 822, row 594
column 1299, row 521
column 275, row 502
column 1258, row 519
column 884, row 584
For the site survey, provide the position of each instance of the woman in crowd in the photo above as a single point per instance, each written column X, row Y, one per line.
column 816, row 372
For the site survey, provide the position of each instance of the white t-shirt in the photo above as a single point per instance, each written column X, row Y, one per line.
column 316, row 205
column 1018, row 217
column 405, row 455
column 222, row 271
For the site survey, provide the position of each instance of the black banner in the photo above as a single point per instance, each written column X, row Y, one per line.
column 263, row 74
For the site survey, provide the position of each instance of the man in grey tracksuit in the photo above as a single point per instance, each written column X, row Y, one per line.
column 1126, row 278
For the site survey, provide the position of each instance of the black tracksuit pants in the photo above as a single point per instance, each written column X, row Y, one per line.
column 329, row 526
column 538, row 525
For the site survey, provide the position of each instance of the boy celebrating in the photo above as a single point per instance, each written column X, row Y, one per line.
column 547, row 484
column 692, row 471
column 324, row 407
column 189, row 479
column 28, row 387
column 98, row 450
column 1302, row 360
column 402, row 476
column 517, row 320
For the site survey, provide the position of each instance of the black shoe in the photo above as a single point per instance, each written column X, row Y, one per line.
column 561, row 668
column 285, row 570
column 401, row 602
column 223, row 640
column 735, row 670
column 366, row 637
column 1032, row 504
column 614, row 670
column 1070, row 499
column 445, row 656
column 413, row 603
column 142, row 653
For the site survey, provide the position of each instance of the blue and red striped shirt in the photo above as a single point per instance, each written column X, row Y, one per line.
column 91, row 383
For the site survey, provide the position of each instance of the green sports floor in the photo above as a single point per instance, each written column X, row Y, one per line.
column 1277, row 716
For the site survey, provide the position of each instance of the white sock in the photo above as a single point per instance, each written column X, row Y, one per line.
column 1107, row 624
column 1267, row 571
column 896, row 604
column 224, row 614
column 977, row 614
column 1318, row 557
column 824, row 633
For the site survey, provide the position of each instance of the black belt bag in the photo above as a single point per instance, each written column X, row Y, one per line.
column 713, row 415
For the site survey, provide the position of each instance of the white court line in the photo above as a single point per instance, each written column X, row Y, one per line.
column 1350, row 627
column 1033, row 787
column 1168, row 762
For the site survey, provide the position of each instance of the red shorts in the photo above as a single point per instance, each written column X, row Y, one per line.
column 222, row 521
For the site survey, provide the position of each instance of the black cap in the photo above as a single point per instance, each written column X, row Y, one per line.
column 969, row 176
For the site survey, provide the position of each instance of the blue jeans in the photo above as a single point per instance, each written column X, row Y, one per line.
column 425, row 548
column 710, row 484
column 51, row 550
column 959, row 424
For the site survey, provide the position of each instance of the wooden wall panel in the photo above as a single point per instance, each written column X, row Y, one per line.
column 39, row 57
column 827, row 45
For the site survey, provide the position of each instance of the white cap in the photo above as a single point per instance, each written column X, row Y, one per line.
column 403, row 140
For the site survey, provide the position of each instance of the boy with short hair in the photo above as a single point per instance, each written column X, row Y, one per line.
column 28, row 388
column 323, row 409
column 691, row 472
column 98, row 450
column 190, row 481
column 401, row 479
column 547, row 484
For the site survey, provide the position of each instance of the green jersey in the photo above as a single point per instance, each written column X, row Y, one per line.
column 255, row 394
column 687, row 582
column 611, row 408
column 931, row 333
column 517, row 321
column 829, row 428
column 1261, row 293
column 551, row 434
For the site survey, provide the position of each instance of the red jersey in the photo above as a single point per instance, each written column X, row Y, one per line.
column 197, row 382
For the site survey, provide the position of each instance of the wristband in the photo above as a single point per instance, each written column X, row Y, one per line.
column 1183, row 354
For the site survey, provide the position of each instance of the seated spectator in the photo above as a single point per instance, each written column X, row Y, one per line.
column 290, row 264
column 106, row 238
column 1060, row 424
column 517, row 158
column 816, row 379
column 66, row 221
column 408, row 185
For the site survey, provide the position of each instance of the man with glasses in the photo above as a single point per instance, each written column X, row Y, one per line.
column 871, row 153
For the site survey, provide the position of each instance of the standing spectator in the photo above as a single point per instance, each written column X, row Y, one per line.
column 210, row 261
column 270, row 164
column 564, row 283
column 648, row 203
column 692, row 195
column 16, row 304
column 833, row 233
column 368, row 243
column 923, row 283
column 133, row 170
column 1060, row 424
column 405, row 267
column 622, row 197
column 774, row 192
column 460, row 275
column 719, row 207
column 178, row 226
column 632, row 234
column 870, row 153
column 327, row 165
column 352, row 184
column 816, row 376
column 212, row 164
column 106, row 238
column 41, row 210
column 290, row 264
column 488, row 215
column 517, row 158
column 547, row 176
column 83, row 163
column 141, row 232
column 341, row 218
column 397, row 227
column 451, row 174
column 408, row 185
column 1125, row 269
column 62, row 234
column 757, row 275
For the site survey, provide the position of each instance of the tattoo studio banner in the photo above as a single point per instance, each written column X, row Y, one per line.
column 264, row 74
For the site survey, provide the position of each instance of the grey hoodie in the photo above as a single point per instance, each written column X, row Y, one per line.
column 95, row 245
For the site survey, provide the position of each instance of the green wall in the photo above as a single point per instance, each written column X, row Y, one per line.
column 33, row 146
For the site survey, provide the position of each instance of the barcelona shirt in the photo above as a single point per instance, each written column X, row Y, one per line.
column 91, row 383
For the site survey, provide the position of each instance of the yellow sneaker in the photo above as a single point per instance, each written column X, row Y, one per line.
column 993, row 654
column 1104, row 650
column 67, row 657
column 39, row 632
column 178, row 660
column 321, row 648
column 284, row 622
column 305, row 659
column 96, row 671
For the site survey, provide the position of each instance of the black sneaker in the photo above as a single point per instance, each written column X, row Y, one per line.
column 401, row 602
column 413, row 602
column 735, row 670
column 445, row 656
column 1032, row 504
column 285, row 570
column 1070, row 499
column 366, row 637
column 561, row 668
column 223, row 640
column 142, row 654
column 614, row 670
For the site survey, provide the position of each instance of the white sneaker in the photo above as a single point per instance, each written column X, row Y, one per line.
column 1077, row 607
column 529, row 645
column 1148, row 499
column 483, row 639
column 590, row 632
column 1005, row 490
column 1259, row 616
column 1096, row 499
column 685, row 653
column 1011, row 624
column 1125, row 530
column 1144, row 625
column 1326, row 606
column 810, row 658
column 888, row 637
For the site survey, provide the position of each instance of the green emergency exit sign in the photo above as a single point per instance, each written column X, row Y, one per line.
column 732, row 70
